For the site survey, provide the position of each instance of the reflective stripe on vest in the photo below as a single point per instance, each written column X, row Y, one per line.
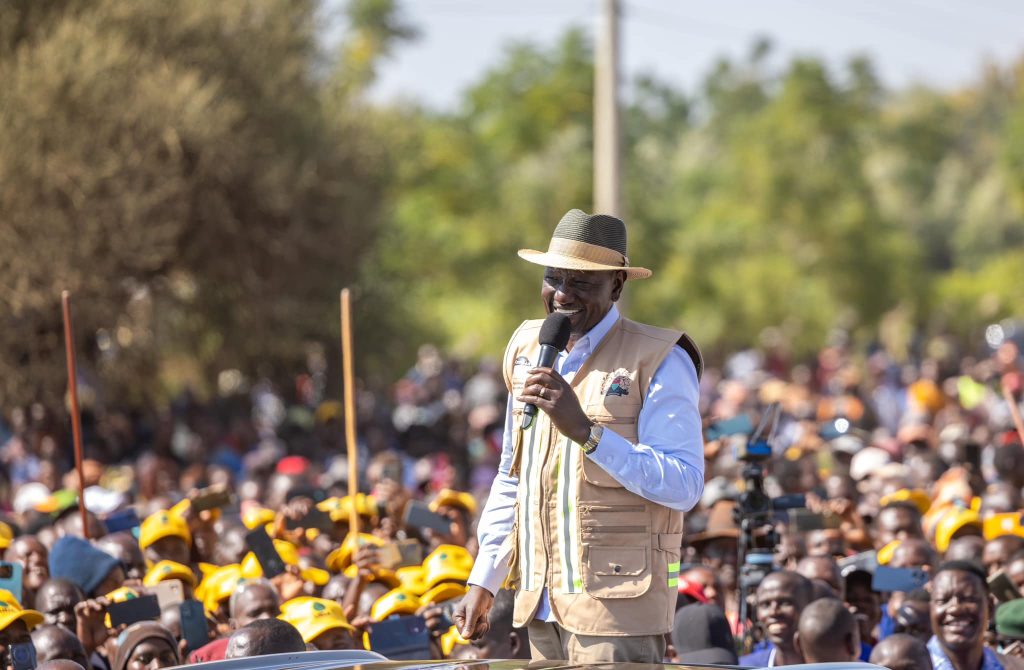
column 526, row 538
column 568, row 525
column 673, row 574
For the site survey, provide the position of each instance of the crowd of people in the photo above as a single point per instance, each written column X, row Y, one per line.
column 910, row 464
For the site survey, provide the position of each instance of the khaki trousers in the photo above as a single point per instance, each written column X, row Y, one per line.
column 551, row 642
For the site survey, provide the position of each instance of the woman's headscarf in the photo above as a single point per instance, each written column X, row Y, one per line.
column 135, row 635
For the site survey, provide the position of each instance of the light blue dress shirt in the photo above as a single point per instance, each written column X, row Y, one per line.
column 666, row 466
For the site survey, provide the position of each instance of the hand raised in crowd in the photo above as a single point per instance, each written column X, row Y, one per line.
column 549, row 391
column 289, row 584
column 91, row 627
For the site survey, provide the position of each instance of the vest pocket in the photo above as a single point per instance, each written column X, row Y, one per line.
column 598, row 476
column 616, row 572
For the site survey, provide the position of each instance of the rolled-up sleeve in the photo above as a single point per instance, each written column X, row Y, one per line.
column 666, row 465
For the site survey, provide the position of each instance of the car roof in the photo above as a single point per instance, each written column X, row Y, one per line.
column 368, row 660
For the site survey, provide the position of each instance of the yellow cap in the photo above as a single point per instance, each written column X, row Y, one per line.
column 218, row 586
column 884, row 554
column 395, row 601
column 289, row 553
column 257, row 516
column 954, row 520
column 450, row 639
column 917, row 497
column 1008, row 523
column 314, row 616
column 380, row 575
column 413, row 579
column 11, row 611
column 450, row 498
column 447, row 563
column 340, row 509
column 6, row 535
column 328, row 410
column 165, row 570
column 443, row 592
column 341, row 558
column 163, row 524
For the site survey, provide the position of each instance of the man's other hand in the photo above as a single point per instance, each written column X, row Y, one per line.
column 471, row 614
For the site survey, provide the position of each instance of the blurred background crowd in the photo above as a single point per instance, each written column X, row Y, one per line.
column 914, row 465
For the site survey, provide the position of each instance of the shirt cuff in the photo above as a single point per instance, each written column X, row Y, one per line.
column 611, row 451
column 487, row 575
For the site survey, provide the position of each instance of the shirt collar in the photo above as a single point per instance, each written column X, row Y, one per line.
column 589, row 342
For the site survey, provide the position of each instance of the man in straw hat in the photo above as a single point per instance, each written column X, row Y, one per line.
column 584, row 519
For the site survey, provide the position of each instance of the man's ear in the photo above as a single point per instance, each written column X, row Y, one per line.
column 796, row 645
column 515, row 644
column 619, row 281
column 852, row 643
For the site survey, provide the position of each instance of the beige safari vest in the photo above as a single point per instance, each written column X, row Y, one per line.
column 608, row 557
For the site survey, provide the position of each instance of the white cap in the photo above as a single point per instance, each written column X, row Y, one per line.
column 99, row 500
column 866, row 461
column 29, row 496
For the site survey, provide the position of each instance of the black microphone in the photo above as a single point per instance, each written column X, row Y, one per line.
column 554, row 336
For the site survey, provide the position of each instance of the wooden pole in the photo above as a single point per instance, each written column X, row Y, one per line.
column 76, row 420
column 350, row 410
column 1014, row 412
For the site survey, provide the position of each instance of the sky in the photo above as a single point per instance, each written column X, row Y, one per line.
column 943, row 43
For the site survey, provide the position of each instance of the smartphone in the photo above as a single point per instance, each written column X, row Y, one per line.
column 212, row 497
column 886, row 579
column 316, row 518
column 23, row 656
column 400, row 554
column 401, row 639
column 10, row 577
column 805, row 520
column 738, row 425
column 1001, row 588
column 263, row 547
column 143, row 608
column 169, row 593
column 194, row 626
column 124, row 519
column 789, row 501
column 418, row 515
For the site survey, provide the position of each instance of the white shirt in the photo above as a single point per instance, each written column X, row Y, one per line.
column 666, row 466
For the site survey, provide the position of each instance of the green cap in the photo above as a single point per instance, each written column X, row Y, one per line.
column 1010, row 619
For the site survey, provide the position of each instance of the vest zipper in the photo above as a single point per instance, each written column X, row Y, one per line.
column 587, row 509
column 614, row 529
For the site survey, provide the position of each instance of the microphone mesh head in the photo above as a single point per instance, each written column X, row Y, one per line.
column 555, row 331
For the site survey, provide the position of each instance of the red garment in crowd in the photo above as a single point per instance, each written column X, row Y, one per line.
column 211, row 652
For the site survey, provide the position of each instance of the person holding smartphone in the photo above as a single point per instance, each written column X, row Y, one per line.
column 592, row 486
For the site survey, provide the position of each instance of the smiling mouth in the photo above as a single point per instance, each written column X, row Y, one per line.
column 958, row 625
column 567, row 312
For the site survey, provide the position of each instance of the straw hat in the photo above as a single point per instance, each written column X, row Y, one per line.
column 589, row 242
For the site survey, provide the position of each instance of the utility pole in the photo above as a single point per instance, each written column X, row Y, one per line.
column 607, row 132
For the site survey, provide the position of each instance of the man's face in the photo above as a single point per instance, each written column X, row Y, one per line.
column 896, row 523
column 256, row 602
column 778, row 608
column 32, row 555
column 1015, row 571
column 584, row 296
column 15, row 633
column 169, row 548
column 57, row 600
column 827, row 542
column 864, row 604
column 959, row 610
column 720, row 555
column 125, row 548
column 706, row 578
column 823, row 568
column 335, row 638
column 912, row 554
column 997, row 553
column 113, row 581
